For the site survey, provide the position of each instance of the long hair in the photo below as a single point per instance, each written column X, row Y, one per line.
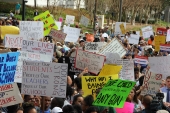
column 135, row 98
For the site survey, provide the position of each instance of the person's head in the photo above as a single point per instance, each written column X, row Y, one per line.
column 57, row 102
column 29, row 108
column 13, row 108
column 136, row 72
column 29, row 98
column 134, row 96
column 69, row 91
column 81, row 42
column 168, row 81
column 19, row 110
column 92, row 109
column 77, row 84
column 78, row 99
column 47, row 101
column 102, row 39
column 68, row 109
column 77, row 108
column 87, row 102
column 152, row 37
column 146, row 101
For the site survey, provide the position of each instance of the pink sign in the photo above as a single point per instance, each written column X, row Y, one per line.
column 60, row 19
column 128, row 108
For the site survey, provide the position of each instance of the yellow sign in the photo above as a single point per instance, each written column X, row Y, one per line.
column 8, row 30
column 122, row 28
column 110, row 70
column 48, row 22
column 91, row 83
column 158, row 41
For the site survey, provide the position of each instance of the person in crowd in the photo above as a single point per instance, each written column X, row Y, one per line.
column 69, row 94
column 81, row 42
column 92, row 109
column 46, row 101
column 29, row 98
column 11, row 14
column 87, row 102
column 78, row 85
column 68, row 109
column 151, row 40
column 29, row 108
column 57, row 102
column 19, row 110
column 36, row 13
column 77, row 99
column 17, row 8
column 105, row 35
column 77, row 108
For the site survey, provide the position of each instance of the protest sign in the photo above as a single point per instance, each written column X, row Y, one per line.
column 165, row 48
column 69, row 19
column 159, row 40
column 84, row 59
column 133, row 39
column 141, row 60
column 84, row 21
column 13, row 41
column 72, row 68
column 44, row 79
column 57, row 35
column 8, row 30
column 91, row 83
column 151, row 83
column 8, row 67
column 168, row 36
column 72, row 34
column 31, row 30
column 127, row 108
column 47, row 20
column 38, row 47
column 29, row 56
column 110, row 70
column 10, row 95
column 114, row 93
column 122, row 28
column 93, row 46
column 147, row 32
column 138, row 33
column 111, row 58
column 114, row 47
column 58, row 24
column 117, row 28
column 162, row 31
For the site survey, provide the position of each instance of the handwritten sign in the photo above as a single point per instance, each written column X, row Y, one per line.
column 111, row 58
column 159, row 40
column 13, row 41
column 122, row 28
column 168, row 36
column 57, row 35
column 72, row 34
column 147, row 32
column 44, row 79
column 127, row 108
column 10, row 95
column 152, row 83
column 72, row 68
column 47, row 20
column 84, row 21
column 93, row 62
column 114, row 93
column 69, row 19
column 4, row 30
column 114, row 47
column 110, row 70
column 91, row 83
column 8, row 67
column 93, row 46
column 118, row 29
column 162, row 31
column 29, row 56
column 38, row 47
column 133, row 39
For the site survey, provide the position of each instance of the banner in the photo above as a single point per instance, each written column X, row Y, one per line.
column 10, row 95
column 31, row 30
column 165, row 48
column 151, row 83
column 44, row 79
column 118, row 29
column 122, row 28
column 13, row 41
column 162, row 31
column 47, row 20
column 4, row 30
column 58, row 36
column 114, row 93
column 93, row 46
column 159, row 40
column 69, row 19
column 29, row 56
column 141, row 60
column 72, row 34
column 147, row 32
column 84, row 21
column 133, row 39
column 93, row 62
column 8, row 67
column 127, row 108
column 38, row 47
column 114, row 47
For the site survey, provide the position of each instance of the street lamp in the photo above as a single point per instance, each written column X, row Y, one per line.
column 23, row 9
column 120, row 10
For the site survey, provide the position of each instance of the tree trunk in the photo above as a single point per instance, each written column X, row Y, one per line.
column 35, row 4
column 133, row 18
column 48, row 3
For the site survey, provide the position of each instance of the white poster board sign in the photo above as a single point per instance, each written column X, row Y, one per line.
column 114, row 47
column 93, row 46
column 69, row 19
column 10, row 95
column 31, row 30
column 13, row 41
column 168, row 36
column 38, row 47
column 58, row 24
column 44, row 79
column 117, row 28
column 133, row 39
column 147, row 32
column 72, row 34
column 29, row 56
column 93, row 62
column 138, row 33
column 111, row 58
column 84, row 21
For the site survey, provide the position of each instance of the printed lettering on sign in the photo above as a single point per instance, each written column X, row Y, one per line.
column 13, row 41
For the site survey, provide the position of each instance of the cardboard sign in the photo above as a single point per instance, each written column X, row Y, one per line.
column 122, row 28
column 152, row 82
column 111, row 58
column 38, row 47
column 10, row 95
column 8, row 67
column 168, row 36
column 93, row 46
column 91, row 83
column 31, row 30
column 141, row 60
column 47, row 20
column 127, row 108
column 84, row 21
column 159, row 40
column 110, row 70
column 133, row 39
column 94, row 62
column 44, row 79
column 4, row 30
column 13, row 41
column 57, row 35
column 72, row 34
column 114, row 93
column 147, row 32
column 69, row 19
column 162, row 31
column 114, row 47
column 29, row 56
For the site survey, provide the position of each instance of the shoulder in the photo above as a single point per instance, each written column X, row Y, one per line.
column 163, row 89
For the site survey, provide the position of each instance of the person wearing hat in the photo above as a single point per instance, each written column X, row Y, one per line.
column 81, row 42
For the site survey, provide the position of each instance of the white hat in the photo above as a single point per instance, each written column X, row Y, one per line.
column 56, row 110
column 162, row 111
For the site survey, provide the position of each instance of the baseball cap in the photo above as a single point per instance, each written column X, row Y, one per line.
column 56, row 110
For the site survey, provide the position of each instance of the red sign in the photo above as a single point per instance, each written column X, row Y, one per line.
column 161, row 31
